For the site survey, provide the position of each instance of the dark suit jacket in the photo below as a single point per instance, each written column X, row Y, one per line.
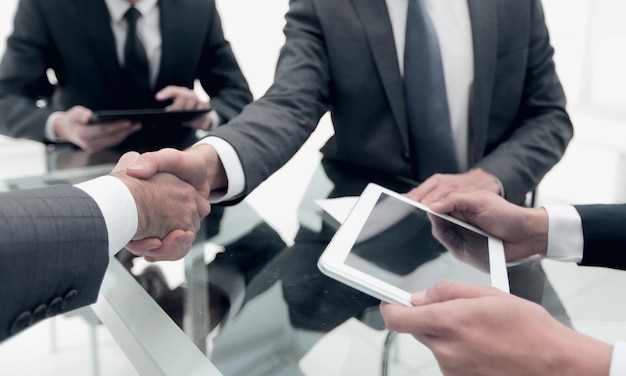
column 75, row 40
column 604, row 232
column 339, row 56
column 53, row 254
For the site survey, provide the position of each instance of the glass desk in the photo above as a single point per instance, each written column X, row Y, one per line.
column 249, row 298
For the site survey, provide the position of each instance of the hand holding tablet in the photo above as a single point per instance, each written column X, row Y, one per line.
column 390, row 246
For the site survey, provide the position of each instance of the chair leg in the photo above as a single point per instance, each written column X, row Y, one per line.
column 95, row 359
column 390, row 340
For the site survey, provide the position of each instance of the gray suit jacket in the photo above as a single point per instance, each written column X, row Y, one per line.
column 53, row 254
column 339, row 56
column 75, row 40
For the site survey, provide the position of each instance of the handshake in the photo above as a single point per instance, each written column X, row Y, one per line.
column 170, row 189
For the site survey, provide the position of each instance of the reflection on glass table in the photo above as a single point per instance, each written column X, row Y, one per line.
column 256, row 304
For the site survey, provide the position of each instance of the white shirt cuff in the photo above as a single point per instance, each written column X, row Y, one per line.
column 118, row 209
column 49, row 130
column 565, row 233
column 618, row 360
column 232, row 165
column 216, row 120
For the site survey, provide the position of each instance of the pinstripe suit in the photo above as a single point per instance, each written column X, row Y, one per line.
column 53, row 254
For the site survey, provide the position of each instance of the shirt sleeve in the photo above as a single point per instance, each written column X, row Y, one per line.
column 565, row 233
column 118, row 208
column 216, row 119
column 618, row 360
column 232, row 166
column 49, row 130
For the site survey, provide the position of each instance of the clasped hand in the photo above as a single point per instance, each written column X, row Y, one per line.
column 169, row 210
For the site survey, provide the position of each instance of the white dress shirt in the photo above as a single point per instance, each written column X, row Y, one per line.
column 118, row 209
column 148, row 30
column 454, row 32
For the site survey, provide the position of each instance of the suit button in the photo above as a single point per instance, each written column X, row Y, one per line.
column 406, row 156
column 68, row 298
column 20, row 323
column 39, row 313
column 54, row 307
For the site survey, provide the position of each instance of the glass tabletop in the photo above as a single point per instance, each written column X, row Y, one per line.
column 249, row 298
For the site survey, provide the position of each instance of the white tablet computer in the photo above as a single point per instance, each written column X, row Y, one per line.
column 390, row 246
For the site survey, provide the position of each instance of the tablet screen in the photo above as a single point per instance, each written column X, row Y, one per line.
column 402, row 245
column 390, row 246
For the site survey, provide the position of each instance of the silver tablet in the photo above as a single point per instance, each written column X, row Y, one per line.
column 390, row 246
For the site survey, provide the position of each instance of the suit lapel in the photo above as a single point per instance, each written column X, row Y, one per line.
column 95, row 20
column 483, row 16
column 173, row 30
column 375, row 21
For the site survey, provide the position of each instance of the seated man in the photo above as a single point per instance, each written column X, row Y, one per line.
column 86, row 43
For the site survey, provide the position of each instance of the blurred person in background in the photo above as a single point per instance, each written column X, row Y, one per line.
column 116, row 55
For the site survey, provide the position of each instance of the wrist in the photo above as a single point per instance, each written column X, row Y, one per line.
column 537, row 225
column 582, row 355
column 139, row 196
column 215, row 169
column 57, row 128
column 208, row 123
column 487, row 181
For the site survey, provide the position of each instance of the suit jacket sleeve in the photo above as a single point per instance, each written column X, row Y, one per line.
column 53, row 254
column 272, row 129
column 23, row 78
column 219, row 72
column 604, row 233
column 540, row 128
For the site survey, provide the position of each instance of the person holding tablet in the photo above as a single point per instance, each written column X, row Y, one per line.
column 66, row 59
column 488, row 332
column 55, row 242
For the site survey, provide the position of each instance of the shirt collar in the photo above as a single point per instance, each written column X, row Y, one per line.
column 117, row 8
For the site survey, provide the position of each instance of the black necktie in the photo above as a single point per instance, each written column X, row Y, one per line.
column 425, row 92
column 135, row 58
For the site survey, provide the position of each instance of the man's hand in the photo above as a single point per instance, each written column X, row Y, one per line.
column 462, row 243
column 524, row 231
column 440, row 185
column 479, row 330
column 168, row 208
column 184, row 98
column 199, row 166
column 73, row 126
